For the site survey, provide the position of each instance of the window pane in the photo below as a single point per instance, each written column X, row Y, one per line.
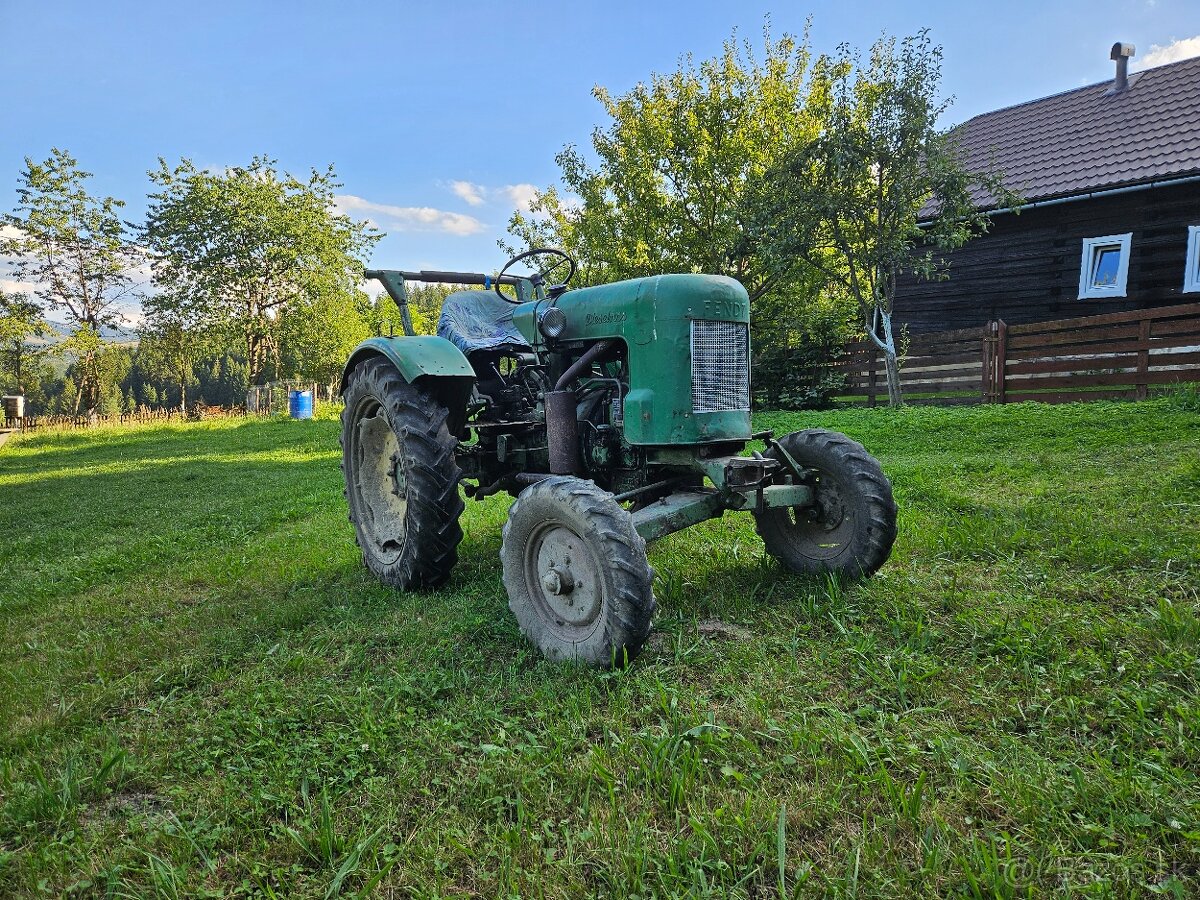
column 1107, row 262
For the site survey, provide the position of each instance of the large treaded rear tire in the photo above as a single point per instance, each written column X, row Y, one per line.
column 401, row 478
column 565, row 530
column 851, row 529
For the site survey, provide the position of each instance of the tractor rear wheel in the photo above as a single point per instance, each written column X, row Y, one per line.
column 401, row 478
column 576, row 573
column 851, row 526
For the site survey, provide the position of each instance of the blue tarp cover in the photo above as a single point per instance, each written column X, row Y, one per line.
column 478, row 320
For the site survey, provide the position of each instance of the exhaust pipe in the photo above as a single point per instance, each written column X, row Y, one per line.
column 562, row 433
column 562, row 424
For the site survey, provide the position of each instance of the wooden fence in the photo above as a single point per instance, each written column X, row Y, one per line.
column 144, row 417
column 1114, row 356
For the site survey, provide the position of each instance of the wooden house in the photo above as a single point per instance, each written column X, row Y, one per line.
column 1109, row 176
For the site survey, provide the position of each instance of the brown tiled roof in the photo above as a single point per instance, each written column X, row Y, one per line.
column 1087, row 139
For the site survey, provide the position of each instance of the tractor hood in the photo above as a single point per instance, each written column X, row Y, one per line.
column 688, row 346
column 633, row 309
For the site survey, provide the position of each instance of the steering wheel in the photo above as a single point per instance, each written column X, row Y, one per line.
column 537, row 278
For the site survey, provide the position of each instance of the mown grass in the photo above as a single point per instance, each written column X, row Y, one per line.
column 202, row 693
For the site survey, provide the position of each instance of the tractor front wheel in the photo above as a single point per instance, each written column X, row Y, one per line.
column 851, row 526
column 576, row 573
column 401, row 478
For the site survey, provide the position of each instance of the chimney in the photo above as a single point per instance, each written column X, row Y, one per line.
column 1121, row 53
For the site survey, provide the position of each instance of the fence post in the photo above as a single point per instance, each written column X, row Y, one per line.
column 1143, row 358
column 871, row 375
column 988, row 363
column 1001, row 360
column 995, row 359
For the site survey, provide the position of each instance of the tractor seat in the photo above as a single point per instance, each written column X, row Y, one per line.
column 479, row 320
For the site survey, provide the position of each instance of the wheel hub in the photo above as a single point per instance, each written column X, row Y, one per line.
column 569, row 577
column 829, row 507
column 558, row 581
column 824, row 527
column 380, row 481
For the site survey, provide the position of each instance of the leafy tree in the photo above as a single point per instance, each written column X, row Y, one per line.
column 237, row 250
column 78, row 251
column 64, row 402
column 880, row 191
column 169, row 350
column 318, row 336
column 675, row 166
column 20, row 320
column 109, row 364
column 424, row 307
column 674, row 187
column 792, row 352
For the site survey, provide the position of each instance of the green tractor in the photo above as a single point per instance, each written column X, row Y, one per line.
column 614, row 415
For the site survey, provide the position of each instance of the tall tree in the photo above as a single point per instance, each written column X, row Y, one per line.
column 20, row 320
column 169, row 348
column 318, row 337
column 237, row 249
column 675, row 165
column 880, row 191
column 75, row 247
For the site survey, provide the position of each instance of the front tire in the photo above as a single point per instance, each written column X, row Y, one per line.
column 401, row 478
column 576, row 573
column 851, row 526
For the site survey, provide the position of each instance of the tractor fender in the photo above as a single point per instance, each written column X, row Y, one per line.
column 431, row 363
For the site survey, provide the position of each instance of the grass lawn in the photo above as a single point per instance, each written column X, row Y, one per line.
column 203, row 693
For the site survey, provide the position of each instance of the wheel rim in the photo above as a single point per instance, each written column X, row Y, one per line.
column 824, row 529
column 379, row 482
column 565, row 580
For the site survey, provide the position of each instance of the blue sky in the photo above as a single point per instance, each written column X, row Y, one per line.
column 439, row 116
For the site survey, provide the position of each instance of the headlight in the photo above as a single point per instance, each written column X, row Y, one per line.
column 552, row 322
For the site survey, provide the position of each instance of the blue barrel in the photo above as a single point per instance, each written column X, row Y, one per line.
column 300, row 404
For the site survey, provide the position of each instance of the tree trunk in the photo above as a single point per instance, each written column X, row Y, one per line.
column 879, row 329
column 255, row 357
column 892, row 367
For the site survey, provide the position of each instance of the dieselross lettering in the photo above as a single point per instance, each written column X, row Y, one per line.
column 605, row 318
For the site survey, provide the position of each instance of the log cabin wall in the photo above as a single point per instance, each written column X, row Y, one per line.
column 1026, row 268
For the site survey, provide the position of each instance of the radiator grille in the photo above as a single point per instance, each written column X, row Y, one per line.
column 720, row 366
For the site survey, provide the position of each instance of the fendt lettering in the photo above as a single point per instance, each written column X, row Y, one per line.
column 723, row 308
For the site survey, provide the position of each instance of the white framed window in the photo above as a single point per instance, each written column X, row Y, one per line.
column 1191, row 275
column 1104, row 269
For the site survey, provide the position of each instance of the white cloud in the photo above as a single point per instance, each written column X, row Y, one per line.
column 372, row 288
column 408, row 218
column 9, row 286
column 521, row 195
column 1172, row 52
column 472, row 193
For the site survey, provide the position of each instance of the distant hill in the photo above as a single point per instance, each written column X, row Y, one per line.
column 60, row 331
